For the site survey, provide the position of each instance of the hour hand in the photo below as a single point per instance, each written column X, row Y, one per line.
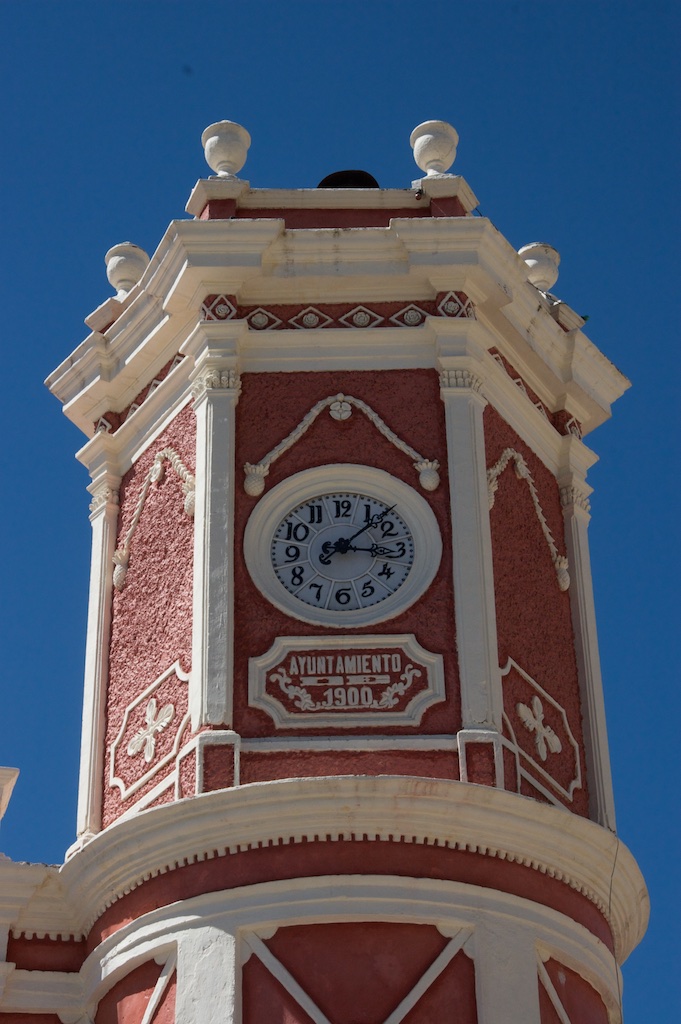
column 377, row 550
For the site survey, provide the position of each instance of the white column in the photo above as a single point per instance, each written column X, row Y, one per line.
column 476, row 631
column 574, row 499
column 506, row 973
column 216, row 386
column 104, row 519
column 206, row 976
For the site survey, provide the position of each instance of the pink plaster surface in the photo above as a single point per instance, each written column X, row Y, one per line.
column 534, row 622
column 271, row 405
column 579, row 999
column 433, row 764
column 152, row 616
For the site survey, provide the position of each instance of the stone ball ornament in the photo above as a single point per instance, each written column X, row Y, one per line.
column 434, row 144
column 225, row 145
column 542, row 262
column 125, row 264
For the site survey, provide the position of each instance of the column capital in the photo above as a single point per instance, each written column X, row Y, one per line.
column 572, row 496
column 460, row 379
column 214, row 378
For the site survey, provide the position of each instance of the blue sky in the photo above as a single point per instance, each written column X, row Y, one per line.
column 568, row 114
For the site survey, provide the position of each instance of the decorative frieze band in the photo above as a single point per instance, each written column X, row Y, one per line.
column 451, row 304
column 121, row 556
column 340, row 408
column 522, row 472
column 111, row 421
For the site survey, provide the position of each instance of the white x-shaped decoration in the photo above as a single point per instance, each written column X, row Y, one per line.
column 276, row 968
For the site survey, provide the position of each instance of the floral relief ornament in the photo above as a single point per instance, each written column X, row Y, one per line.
column 156, row 721
column 533, row 720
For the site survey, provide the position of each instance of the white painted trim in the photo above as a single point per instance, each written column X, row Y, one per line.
column 114, row 779
column 281, row 744
column 490, row 736
column 429, row 976
column 29, row 992
column 552, row 994
column 207, row 964
column 310, row 483
column 104, row 519
column 195, row 258
column 159, row 988
column 599, row 778
column 562, row 845
column 475, row 612
column 404, row 643
column 286, row 979
column 216, row 738
column 503, row 933
column 506, row 987
column 576, row 781
column 8, row 777
column 216, row 388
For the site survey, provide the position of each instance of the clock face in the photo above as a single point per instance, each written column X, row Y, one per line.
column 342, row 545
column 342, row 551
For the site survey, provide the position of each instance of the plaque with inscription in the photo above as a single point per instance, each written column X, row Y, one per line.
column 371, row 681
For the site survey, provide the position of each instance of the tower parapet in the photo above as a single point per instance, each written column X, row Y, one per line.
column 344, row 747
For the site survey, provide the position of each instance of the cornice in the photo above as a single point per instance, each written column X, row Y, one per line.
column 491, row 822
column 33, row 901
column 407, row 260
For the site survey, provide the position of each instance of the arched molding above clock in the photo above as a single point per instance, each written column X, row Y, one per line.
column 365, row 481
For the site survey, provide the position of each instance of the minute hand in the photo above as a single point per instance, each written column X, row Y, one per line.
column 373, row 521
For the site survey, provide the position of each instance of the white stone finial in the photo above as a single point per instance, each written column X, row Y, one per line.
column 542, row 261
column 125, row 264
column 225, row 145
column 434, row 144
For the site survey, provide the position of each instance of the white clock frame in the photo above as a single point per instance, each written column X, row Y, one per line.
column 375, row 483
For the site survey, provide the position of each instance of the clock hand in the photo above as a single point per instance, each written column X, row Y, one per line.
column 377, row 550
column 373, row 521
column 343, row 544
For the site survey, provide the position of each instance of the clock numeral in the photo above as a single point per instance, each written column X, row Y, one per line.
column 293, row 553
column 367, row 513
column 368, row 589
column 342, row 508
column 387, row 528
column 317, row 587
column 297, row 531
column 386, row 571
column 297, row 576
column 343, row 595
column 315, row 513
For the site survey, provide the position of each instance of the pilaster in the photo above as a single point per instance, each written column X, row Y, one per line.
column 106, row 480
column 506, row 985
column 215, row 385
column 574, row 494
column 206, row 976
column 476, row 634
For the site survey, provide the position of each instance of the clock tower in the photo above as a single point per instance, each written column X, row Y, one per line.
column 344, row 755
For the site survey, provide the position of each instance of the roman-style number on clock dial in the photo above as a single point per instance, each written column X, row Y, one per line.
column 342, row 551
